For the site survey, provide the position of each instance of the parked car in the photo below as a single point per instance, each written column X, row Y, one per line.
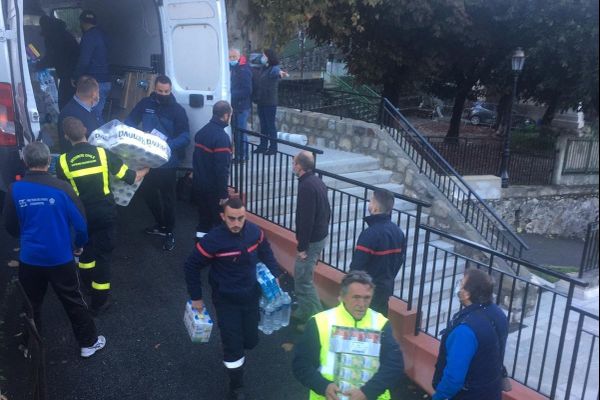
column 483, row 113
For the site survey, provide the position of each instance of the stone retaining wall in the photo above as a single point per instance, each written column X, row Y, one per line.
column 549, row 210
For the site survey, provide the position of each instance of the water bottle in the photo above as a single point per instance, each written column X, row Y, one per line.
column 277, row 317
column 268, row 323
column 261, row 307
column 286, row 309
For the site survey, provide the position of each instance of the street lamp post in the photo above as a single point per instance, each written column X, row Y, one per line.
column 518, row 60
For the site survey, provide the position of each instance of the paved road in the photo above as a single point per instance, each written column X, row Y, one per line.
column 148, row 353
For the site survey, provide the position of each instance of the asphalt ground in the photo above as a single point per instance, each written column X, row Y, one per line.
column 148, row 354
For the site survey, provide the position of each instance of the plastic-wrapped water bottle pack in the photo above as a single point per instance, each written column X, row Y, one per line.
column 275, row 304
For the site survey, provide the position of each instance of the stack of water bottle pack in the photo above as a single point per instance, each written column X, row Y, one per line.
column 275, row 304
column 198, row 324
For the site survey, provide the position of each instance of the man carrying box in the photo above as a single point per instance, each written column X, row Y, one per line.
column 232, row 250
column 314, row 363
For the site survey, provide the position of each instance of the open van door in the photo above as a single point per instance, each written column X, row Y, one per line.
column 196, row 57
column 17, row 104
column 27, row 120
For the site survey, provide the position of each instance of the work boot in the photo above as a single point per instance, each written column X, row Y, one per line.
column 169, row 242
column 236, row 383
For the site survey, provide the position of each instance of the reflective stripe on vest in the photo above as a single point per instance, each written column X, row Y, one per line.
column 338, row 316
column 101, row 169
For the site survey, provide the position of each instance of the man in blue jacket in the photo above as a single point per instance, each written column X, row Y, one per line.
column 241, row 94
column 470, row 361
column 380, row 249
column 93, row 58
column 41, row 210
column 212, row 158
column 80, row 107
column 160, row 111
column 232, row 250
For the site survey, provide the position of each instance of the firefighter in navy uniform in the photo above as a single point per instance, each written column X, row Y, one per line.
column 87, row 168
column 232, row 249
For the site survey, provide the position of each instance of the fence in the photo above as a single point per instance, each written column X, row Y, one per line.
column 589, row 258
column 581, row 156
column 482, row 156
column 552, row 345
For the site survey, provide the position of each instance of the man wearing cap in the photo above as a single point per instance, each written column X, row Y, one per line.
column 93, row 58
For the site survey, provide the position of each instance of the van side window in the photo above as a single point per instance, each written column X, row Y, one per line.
column 71, row 18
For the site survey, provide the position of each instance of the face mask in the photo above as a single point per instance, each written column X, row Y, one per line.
column 233, row 63
column 264, row 60
column 162, row 99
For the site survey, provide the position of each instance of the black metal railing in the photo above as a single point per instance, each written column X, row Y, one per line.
column 544, row 345
column 450, row 183
column 341, row 103
column 482, row 156
column 589, row 258
column 269, row 189
column 581, row 156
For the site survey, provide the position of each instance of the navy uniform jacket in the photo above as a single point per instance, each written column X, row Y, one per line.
column 93, row 56
column 380, row 251
column 169, row 118
column 74, row 109
column 212, row 158
column 41, row 210
column 233, row 258
column 241, row 86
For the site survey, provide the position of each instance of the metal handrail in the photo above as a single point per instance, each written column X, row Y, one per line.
column 388, row 106
column 371, row 187
column 496, row 253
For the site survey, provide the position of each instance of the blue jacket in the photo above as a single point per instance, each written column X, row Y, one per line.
column 233, row 258
column 93, row 55
column 241, row 87
column 74, row 109
column 212, row 158
column 169, row 118
column 471, row 355
column 41, row 210
column 380, row 251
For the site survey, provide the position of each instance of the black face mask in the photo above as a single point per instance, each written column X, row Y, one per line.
column 162, row 99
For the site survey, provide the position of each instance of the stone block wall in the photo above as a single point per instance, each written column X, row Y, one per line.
column 549, row 210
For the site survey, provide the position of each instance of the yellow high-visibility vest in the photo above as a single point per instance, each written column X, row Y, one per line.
column 100, row 169
column 338, row 316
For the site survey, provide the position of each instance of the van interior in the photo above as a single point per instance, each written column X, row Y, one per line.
column 135, row 53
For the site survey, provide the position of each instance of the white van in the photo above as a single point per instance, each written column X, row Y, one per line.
column 183, row 39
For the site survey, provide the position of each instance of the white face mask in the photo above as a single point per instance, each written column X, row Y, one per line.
column 264, row 60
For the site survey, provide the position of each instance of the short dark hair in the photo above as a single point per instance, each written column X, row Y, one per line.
column 86, row 86
column 385, row 199
column 271, row 57
column 306, row 160
column 480, row 286
column 221, row 108
column 233, row 202
column 163, row 79
column 36, row 155
column 74, row 129
column 356, row 277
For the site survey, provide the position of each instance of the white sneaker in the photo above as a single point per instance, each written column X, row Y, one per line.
column 87, row 352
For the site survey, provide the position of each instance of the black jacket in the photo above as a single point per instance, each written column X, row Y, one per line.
column 62, row 50
column 306, row 362
column 312, row 211
column 233, row 258
column 212, row 159
column 76, row 110
column 99, row 207
column 380, row 251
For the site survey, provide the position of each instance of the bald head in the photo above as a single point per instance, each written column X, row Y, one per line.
column 304, row 162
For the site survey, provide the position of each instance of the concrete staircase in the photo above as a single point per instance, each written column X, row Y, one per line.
column 273, row 196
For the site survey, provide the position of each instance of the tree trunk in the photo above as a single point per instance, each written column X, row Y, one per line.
column 502, row 113
column 457, row 109
column 550, row 111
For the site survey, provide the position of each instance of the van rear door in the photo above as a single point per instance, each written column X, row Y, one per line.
column 27, row 120
column 196, row 57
